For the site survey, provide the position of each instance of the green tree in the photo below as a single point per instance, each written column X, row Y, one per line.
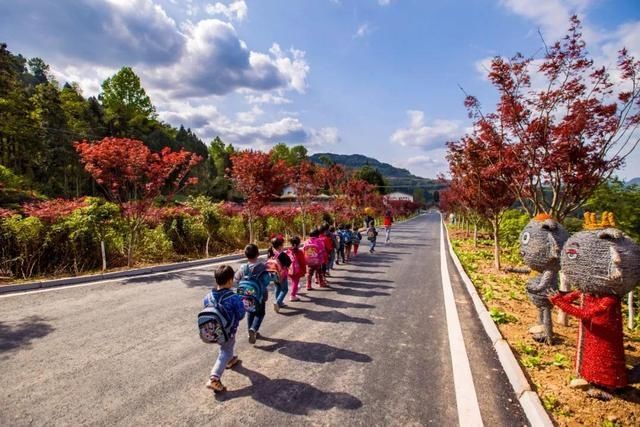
column 372, row 176
column 218, row 184
column 39, row 70
column 418, row 196
column 292, row 156
column 126, row 104
column 623, row 201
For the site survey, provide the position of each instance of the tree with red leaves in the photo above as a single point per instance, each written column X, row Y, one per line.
column 54, row 209
column 134, row 177
column 306, row 180
column 479, row 180
column 563, row 139
column 357, row 195
column 259, row 178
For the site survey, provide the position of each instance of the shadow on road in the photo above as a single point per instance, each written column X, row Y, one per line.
column 21, row 335
column 328, row 302
column 359, row 293
column 311, row 351
column 292, row 397
column 360, row 284
column 333, row 316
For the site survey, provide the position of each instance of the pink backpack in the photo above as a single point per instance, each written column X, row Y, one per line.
column 295, row 268
column 313, row 254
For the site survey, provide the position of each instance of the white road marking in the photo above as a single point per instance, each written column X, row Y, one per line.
column 119, row 279
column 466, row 398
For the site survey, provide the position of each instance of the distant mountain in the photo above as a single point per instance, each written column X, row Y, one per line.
column 634, row 181
column 354, row 161
column 399, row 179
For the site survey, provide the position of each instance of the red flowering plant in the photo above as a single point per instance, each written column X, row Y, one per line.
column 54, row 209
column 134, row 177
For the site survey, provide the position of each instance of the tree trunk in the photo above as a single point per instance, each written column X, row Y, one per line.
column 468, row 232
column 475, row 234
column 251, row 240
column 206, row 248
column 496, row 243
column 632, row 311
column 130, row 250
column 103, row 252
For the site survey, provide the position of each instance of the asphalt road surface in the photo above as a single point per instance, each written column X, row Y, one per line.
column 372, row 350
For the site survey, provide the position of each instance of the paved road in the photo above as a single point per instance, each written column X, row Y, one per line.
column 373, row 350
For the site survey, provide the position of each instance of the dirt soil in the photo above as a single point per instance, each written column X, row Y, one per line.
column 549, row 368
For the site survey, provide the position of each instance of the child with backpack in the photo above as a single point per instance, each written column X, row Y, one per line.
column 298, row 268
column 348, row 241
column 357, row 238
column 372, row 236
column 341, row 244
column 333, row 258
column 219, row 322
column 314, row 253
column 279, row 262
column 251, row 281
column 325, row 235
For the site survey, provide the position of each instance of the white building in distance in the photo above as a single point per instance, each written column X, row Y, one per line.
column 397, row 195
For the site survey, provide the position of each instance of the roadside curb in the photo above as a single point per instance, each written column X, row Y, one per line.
column 78, row 280
column 529, row 400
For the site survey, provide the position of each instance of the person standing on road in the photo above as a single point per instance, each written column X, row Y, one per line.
column 388, row 221
column 256, row 317
column 348, row 241
column 335, row 239
column 315, row 256
column 224, row 297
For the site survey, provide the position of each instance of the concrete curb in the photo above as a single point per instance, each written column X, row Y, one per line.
column 163, row 268
column 529, row 400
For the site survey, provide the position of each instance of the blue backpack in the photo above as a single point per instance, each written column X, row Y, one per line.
column 214, row 321
column 250, row 290
column 348, row 237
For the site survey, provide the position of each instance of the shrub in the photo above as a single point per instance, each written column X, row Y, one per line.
column 512, row 224
column 23, row 241
column 154, row 245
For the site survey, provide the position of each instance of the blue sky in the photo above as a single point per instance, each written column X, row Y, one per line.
column 375, row 77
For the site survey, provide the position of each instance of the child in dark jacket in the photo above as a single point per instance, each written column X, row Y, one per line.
column 232, row 304
column 372, row 236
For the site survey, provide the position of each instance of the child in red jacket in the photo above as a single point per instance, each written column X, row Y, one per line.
column 298, row 267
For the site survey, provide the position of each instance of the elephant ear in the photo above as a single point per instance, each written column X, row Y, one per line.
column 554, row 247
column 615, row 273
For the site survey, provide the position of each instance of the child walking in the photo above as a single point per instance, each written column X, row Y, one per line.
column 357, row 238
column 231, row 303
column 333, row 259
column 283, row 262
column 254, row 270
column 298, row 267
column 315, row 253
column 372, row 236
column 341, row 245
column 348, row 241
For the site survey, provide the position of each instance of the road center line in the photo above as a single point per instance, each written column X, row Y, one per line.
column 466, row 398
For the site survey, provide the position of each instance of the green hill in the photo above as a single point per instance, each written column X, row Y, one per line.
column 398, row 179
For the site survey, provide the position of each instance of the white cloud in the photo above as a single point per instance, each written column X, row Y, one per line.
column 266, row 98
column 384, row 2
column 362, row 31
column 251, row 115
column 236, row 10
column 427, row 137
column 551, row 15
column 208, row 122
column 216, row 61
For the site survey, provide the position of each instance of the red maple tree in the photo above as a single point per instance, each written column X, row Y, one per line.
column 134, row 177
column 260, row 179
column 306, row 180
column 566, row 137
column 54, row 209
column 478, row 178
